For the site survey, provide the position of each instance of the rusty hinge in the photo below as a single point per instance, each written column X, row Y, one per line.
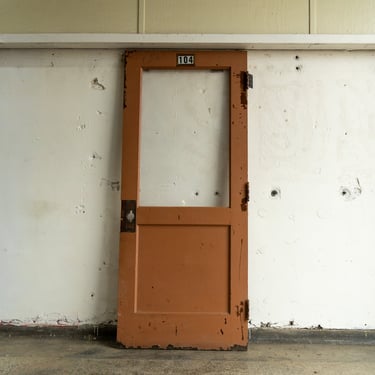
column 247, row 309
column 246, row 197
column 128, row 215
column 247, row 80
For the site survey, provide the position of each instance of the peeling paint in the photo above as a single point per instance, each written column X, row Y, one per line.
column 56, row 319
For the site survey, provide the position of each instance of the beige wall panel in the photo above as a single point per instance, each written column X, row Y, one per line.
column 224, row 16
column 70, row 16
column 343, row 16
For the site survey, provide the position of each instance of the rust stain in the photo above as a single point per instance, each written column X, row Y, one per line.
column 239, row 263
column 245, row 198
column 240, row 310
column 244, row 99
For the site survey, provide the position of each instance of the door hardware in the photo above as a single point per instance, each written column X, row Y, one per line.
column 128, row 215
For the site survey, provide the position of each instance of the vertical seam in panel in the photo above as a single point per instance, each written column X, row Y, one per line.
column 141, row 16
column 309, row 15
column 312, row 17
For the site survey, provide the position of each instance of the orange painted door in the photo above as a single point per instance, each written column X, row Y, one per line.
column 183, row 248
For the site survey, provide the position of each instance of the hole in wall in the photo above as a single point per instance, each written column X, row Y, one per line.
column 275, row 193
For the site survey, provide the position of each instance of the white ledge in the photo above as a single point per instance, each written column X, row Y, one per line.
column 194, row 41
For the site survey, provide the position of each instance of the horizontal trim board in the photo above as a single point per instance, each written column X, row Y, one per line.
column 89, row 332
column 191, row 41
column 107, row 332
column 312, row 336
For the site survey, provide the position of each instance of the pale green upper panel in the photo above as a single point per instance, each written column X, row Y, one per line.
column 68, row 16
column 227, row 17
column 343, row 16
column 188, row 16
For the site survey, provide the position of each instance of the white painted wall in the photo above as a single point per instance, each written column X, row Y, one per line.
column 311, row 135
column 60, row 139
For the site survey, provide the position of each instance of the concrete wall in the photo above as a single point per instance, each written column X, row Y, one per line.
column 187, row 16
column 60, row 141
column 311, row 142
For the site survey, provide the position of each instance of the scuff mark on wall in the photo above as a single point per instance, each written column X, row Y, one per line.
column 95, row 84
column 114, row 185
column 80, row 209
column 352, row 191
column 95, row 155
column 56, row 319
column 41, row 208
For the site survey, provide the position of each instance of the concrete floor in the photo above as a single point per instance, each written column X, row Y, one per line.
column 39, row 356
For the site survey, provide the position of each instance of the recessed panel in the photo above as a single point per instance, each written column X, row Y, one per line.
column 184, row 138
column 183, row 269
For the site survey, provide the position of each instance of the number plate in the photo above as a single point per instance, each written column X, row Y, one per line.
column 185, row 59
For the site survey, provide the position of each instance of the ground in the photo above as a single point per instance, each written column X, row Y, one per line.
column 56, row 355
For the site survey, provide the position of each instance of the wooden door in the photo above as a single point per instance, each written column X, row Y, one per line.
column 183, row 248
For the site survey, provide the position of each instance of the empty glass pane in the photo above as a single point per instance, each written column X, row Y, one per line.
column 184, row 146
